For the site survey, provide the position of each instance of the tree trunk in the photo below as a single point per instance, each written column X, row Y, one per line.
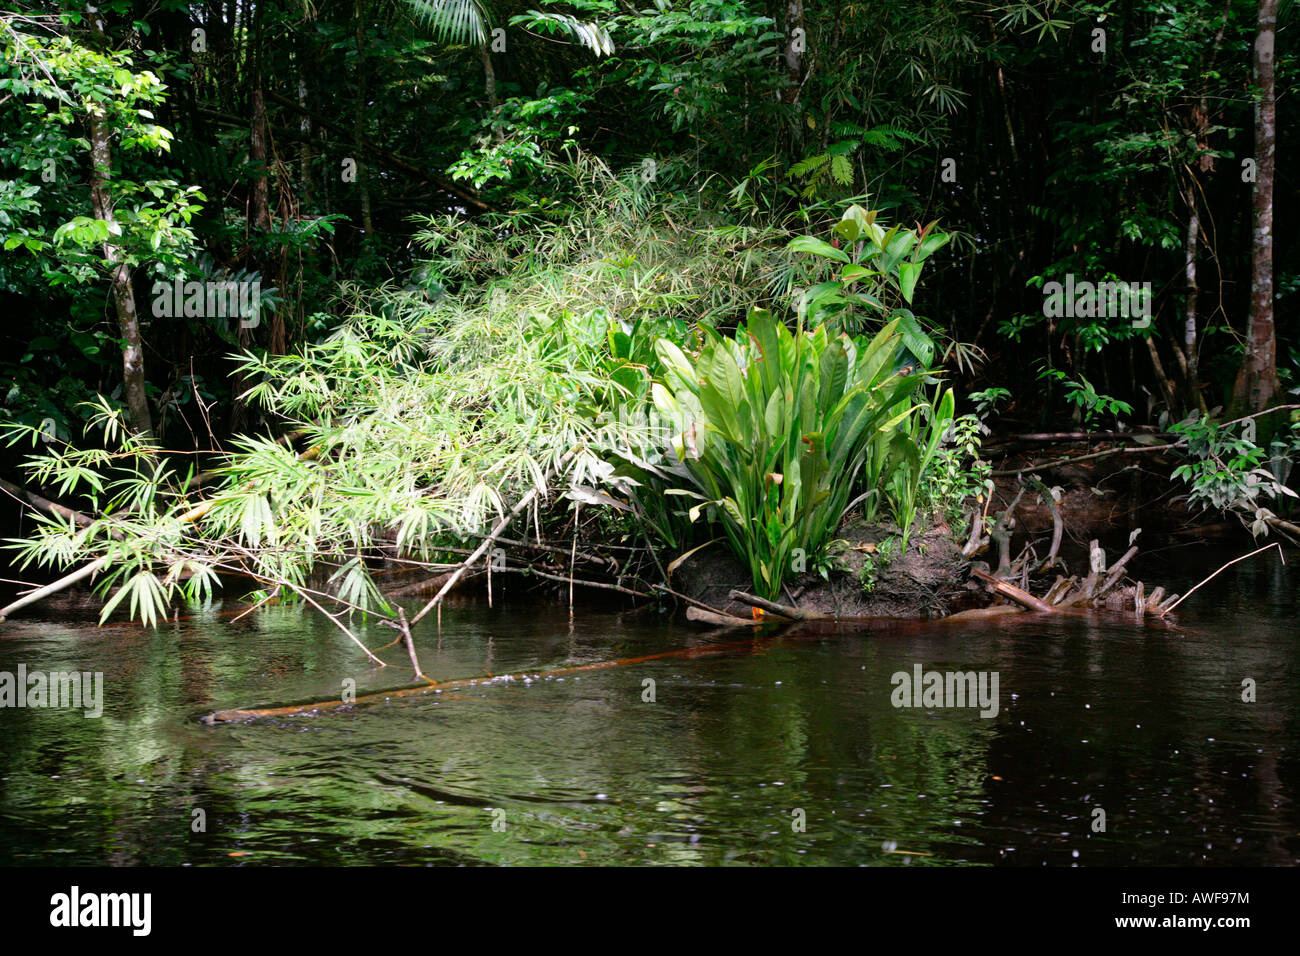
column 796, row 44
column 1190, row 344
column 359, row 130
column 128, row 320
column 260, row 215
column 490, row 88
column 304, row 148
column 258, row 153
column 489, row 77
column 1158, row 367
column 1257, row 382
column 796, row 40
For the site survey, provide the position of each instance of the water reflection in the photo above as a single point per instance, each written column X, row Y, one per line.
column 784, row 751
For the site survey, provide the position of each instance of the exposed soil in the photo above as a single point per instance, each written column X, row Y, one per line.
column 928, row 580
column 1104, row 499
column 1100, row 498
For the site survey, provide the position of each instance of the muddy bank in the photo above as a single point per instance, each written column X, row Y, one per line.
column 874, row 577
column 1046, row 550
column 869, row 574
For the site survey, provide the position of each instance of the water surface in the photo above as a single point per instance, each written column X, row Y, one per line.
column 784, row 750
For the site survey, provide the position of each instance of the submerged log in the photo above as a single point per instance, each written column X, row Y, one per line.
column 334, row 704
column 983, row 613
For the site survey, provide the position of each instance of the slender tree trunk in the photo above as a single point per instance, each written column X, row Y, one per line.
column 1200, row 123
column 122, row 292
column 304, row 148
column 489, row 77
column 1006, row 116
column 1190, row 344
column 490, row 88
column 1257, row 382
column 359, row 131
column 796, row 44
column 260, row 214
column 261, row 219
column 258, row 153
column 1158, row 367
column 261, row 154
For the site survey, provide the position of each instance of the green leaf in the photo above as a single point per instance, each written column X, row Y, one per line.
column 847, row 229
column 818, row 247
column 908, row 273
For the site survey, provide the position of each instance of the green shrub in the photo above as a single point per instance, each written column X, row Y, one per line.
column 779, row 427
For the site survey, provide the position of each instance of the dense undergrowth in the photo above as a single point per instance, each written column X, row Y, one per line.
column 689, row 380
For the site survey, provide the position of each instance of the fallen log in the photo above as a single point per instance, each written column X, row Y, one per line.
column 662, row 589
column 54, row 587
column 1049, row 465
column 45, row 504
column 982, row 613
column 243, row 715
column 1078, row 436
column 1011, row 592
column 701, row 616
column 782, row 610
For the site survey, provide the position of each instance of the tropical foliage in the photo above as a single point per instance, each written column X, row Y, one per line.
column 495, row 241
column 415, row 425
column 779, row 429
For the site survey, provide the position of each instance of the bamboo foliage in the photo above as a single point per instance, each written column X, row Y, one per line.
column 422, row 422
column 418, row 421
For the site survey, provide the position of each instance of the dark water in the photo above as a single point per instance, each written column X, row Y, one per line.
column 737, row 749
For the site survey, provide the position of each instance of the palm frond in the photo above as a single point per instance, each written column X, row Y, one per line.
column 593, row 36
column 454, row 21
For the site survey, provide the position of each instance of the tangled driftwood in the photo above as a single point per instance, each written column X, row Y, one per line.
column 1103, row 586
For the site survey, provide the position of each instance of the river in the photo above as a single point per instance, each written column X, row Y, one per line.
column 1114, row 742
